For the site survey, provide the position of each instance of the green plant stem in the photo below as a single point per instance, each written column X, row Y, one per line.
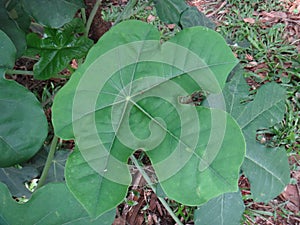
column 83, row 15
column 48, row 162
column 19, row 72
column 91, row 17
column 150, row 183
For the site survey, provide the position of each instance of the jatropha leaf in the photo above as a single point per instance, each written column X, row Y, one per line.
column 23, row 124
column 267, row 168
column 222, row 210
column 57, row 48
column 51, row 204
column 53, row 13
column 182, row 14
column 125, row 97
column 12, row 29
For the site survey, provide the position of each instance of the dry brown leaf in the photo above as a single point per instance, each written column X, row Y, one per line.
column 249, row 20
column 171, row 26
column 150, row 18
column 291, row 194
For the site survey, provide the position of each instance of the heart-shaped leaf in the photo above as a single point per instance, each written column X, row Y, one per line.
column 222, row 210
column 54, row 13
column 23, row 124
column 115, row 107
column 51, row 204
column 57, row 49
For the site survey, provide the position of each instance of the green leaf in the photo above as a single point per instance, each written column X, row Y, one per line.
column 17, row 13
column 7, row 53
column 51, row 204
column 57, row 49
column 96, row 193
column 23, row 125
column 54, row 13
column 222, row 210
column 15, row 179
column 193, row 17
column 169, row 11
column 115, row 107
column 57, row 168
column 267, row 168
column 12, row 30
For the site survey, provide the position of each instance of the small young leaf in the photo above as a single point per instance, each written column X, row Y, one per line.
column 222, row 210
column 51, row 204
column 54, row 13
column 57, row 49
column 23, row 124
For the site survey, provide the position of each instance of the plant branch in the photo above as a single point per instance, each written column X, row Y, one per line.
column 48, row 162
column 19, row 72
column 91, row 17
column 150, row 183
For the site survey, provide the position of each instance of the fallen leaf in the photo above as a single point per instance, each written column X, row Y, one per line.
column 150, row 18
column 291, row 195
column 249, row 20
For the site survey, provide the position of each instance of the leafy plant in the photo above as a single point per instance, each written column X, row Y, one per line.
column 133, row 91
column 126, row 97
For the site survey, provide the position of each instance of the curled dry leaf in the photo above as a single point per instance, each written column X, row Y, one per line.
column 291, row 194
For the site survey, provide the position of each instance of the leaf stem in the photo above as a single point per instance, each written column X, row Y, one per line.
column 83, row 15
column 91, row 17
column 48, row 162
column 150, row 183
column 19, row 72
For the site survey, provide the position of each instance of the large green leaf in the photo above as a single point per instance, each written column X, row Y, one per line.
column 52, row 204
column 7, row 53
column 267, row 168
column 222, row 210
column 13, row 31
column 57, row 49
column 125, row 98
column 23, row 125
column 54, row 13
